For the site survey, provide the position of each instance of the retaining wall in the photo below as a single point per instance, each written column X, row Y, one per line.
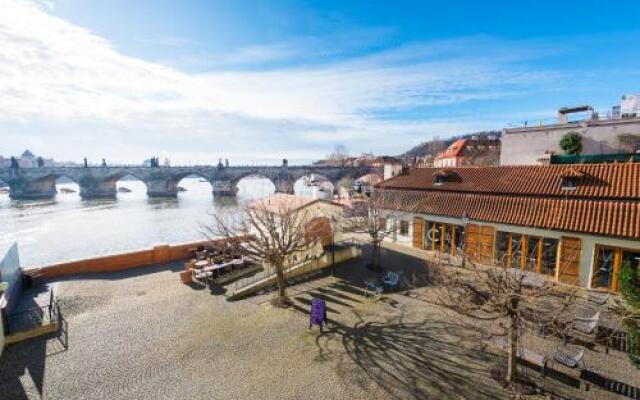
column 322, row 262
column 118, row 262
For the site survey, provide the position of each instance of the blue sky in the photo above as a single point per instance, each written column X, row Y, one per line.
column 256, row 80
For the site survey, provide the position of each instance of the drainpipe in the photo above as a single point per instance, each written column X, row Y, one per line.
column 465, row 222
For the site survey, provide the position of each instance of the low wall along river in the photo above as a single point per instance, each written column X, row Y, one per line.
column 118, row 262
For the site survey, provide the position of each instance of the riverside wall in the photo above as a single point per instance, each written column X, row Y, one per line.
column 117, row 262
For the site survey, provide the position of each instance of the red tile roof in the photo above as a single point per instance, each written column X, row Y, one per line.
column 606, row 202
column 282, row 203
column 605, row 181
column 454, row 150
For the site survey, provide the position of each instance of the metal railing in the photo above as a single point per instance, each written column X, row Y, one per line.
column 33, row 317
column 585, row 116
column 300, row 268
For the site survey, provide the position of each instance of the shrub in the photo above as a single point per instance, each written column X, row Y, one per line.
column 630, row 288
column 571, row 143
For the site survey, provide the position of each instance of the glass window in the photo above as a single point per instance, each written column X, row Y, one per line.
column 448, row 238
column 430, row 235
column 437, row 236
column 516, row 250
column 603, row 270
column 502, row 249
column 531, row 261
column 631, row 258
column 404, row 228
column 459, row 239
column 549, row 256
column 569, row 183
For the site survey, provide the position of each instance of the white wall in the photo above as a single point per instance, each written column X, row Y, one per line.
column 527, row 145
column 391, row 170
column 395, row 218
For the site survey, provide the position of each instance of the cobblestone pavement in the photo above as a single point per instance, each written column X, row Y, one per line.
column 143, row 335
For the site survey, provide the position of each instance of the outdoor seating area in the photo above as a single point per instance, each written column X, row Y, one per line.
column 376, row 287
column 208, row 263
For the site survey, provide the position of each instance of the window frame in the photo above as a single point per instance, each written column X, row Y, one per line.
column 525, row 253
column 403, row 228
column 614, row 284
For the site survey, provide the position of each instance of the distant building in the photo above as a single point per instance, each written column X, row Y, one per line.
column 364, row 160
column 617, row 132
column 392, row 167
column 467, row 152
column 26, row 160
column 317, row 214
column 365, row 183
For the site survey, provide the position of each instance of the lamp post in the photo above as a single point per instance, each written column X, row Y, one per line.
column 334, row 226
column 465, row 221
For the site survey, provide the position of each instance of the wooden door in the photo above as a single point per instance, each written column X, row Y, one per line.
column 418, row 232
column 569, row 263
column 480, row 243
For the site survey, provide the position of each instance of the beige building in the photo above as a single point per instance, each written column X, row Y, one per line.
column 618, row 132
column 576, row 224
column 319, row 215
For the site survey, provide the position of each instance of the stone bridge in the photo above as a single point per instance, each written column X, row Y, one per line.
column 162, row 181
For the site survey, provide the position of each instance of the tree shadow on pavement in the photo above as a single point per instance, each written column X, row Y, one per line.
column 409, row 360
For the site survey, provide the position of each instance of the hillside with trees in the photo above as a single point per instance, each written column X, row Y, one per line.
column 437, row 145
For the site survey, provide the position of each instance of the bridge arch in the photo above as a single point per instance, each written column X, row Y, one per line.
column 67, row 185
column 313, row 184
column 253, row 185
column 193, row 184
column 94, row 181
column 126, row 184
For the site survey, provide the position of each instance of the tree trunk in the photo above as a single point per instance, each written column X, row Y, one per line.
column 282, row 284
column 375, row 262
column 512, row 354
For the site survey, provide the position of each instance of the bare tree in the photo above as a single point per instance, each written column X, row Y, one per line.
column 376, row 218
column 346, row 184
column 339, row 155
column 517, row 300
column 270, row 231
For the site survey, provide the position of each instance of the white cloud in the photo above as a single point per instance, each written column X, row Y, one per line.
column 61, row 84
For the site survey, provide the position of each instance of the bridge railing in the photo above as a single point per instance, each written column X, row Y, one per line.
column 248, row 166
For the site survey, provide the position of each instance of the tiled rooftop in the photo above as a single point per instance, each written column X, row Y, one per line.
column 282, row 203
column 602, row 181
column 606, row 201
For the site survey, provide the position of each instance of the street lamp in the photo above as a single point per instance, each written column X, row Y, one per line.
column 465, row 221
column 334, row 226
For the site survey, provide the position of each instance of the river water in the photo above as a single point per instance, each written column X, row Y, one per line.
column 68, row 227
